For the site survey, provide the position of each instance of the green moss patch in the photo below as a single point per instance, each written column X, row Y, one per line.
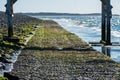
column 3, row 78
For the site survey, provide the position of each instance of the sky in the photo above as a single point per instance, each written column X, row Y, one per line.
column 60, row 6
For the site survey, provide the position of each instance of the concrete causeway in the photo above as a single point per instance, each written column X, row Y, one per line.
column 53, row 54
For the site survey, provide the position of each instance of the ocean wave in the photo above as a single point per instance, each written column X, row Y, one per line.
column 80, row 24
column 70, row 22
column 97, row 29
column 89, row 29
column 94, row 29
column 116, row 34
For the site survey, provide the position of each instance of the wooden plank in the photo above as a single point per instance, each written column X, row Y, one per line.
column 101, row 44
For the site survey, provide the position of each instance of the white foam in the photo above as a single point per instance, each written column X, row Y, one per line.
column 116, row 34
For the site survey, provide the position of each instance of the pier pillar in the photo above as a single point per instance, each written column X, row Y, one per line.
column 9, row 17
column 106, row 50
column 9, row 14
column 108, row 18
column 103, row 30
column 106, row 22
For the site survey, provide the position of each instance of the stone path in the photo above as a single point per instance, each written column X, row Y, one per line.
column 40, row 60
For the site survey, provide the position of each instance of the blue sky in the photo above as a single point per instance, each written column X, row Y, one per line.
column 64, row 6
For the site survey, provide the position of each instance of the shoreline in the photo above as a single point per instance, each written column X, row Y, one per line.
column 24, row 26
column 53, row 39
column 91, row 35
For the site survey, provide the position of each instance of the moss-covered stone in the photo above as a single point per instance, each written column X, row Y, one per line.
column 6, row 56
column 3, row 78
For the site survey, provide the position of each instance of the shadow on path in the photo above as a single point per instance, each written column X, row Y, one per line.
column 59, row 49
column 10, row 77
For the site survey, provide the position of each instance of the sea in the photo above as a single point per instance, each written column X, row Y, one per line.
column 88, row 27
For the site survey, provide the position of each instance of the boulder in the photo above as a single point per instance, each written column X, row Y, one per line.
column 6, row 56
column 2, row 65
column 4, row 60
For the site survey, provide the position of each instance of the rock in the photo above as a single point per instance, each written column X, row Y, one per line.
column 10, row 77
column 4, row 60
column 6, row 56
column 11, row 39
column 59, row 49
column 0, row 59
column 35, row 27
column 2, row 66
column 31, row 33
column 2, row 51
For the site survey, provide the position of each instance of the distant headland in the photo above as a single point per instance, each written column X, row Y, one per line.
column 67, row 14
